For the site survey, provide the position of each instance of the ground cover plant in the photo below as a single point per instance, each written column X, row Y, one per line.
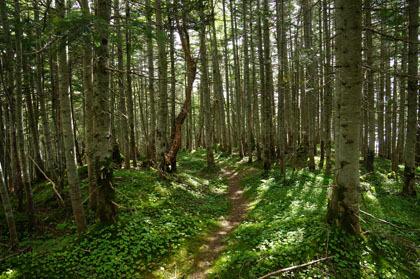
column 286, row 226
column 156, row 219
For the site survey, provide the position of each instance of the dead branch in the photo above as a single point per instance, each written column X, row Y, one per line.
column 386, row 222
column 57, row 194
column 294, row 267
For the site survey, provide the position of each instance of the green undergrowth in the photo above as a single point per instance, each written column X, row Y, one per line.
column 157, row 219
column 286, row 226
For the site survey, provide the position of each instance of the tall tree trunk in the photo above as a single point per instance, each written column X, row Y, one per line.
column 123, row 119
column 370, row 90
column 327, row 89
column 179, row 120
column 238, row 91
column 173, row 84
column 218, row 86
column 105, row 208
column 208, row 131
column 89, row 100
column 19, row 121
column 152, row 134
column 16, row 182
column 281, row 87
column 343, row 206
column 129, row 93
column 66, row 125
column 246, row 83
column 161, row 146
column 254, row 91
column 310, row 77
column 268, row 90
column 409, row 188
column 229, row 128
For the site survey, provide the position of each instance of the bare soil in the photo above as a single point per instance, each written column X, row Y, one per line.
column 214, row 243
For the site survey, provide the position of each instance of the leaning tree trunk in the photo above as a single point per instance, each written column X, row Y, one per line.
column 409, row 188
column 179, row 120
column 343, row 206
column 105, row 207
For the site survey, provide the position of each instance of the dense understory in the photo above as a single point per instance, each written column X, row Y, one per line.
column 162, row 224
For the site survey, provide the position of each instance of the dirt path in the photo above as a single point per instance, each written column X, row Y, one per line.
column 214, row 242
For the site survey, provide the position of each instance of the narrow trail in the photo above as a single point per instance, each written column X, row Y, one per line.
column 214, row 242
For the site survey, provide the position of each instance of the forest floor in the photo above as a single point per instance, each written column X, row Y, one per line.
column 234, row 221
column 215, row 241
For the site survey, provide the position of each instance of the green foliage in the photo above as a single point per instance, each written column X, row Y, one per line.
column 159, row 219
column 286, row 226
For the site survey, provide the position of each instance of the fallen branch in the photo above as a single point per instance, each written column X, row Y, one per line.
column 389, row 223
column 57, row 194
column 15, row 254
column 121, row 193
column 123, row 207
column 295, row 267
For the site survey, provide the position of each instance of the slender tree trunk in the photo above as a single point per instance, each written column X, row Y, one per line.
column 173, row 84
column 282, row 135
column 229, row 128
column 123, row 119
column 254, row 91
column 129, row 93
column 19, row 121
column 238, row 91
column 152, row 134
column 161, row 146
column 66, row 125
column 268, row 90
column 370, row 90
column 89, row 100
column 204, row 84
column 409, row 188
column 310, row 77
column 8, row 211
column 179, row 120
column 218, row 87
column 246, row 82
column 327, row 89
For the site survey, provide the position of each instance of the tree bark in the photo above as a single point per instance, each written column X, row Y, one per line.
column 129, row 93
column 370, row 91
column 409, row 188
column 343, row 206
column 105, row 209
column 8, row 212
column 208, row 131
column 19, row 121
column 161, row 145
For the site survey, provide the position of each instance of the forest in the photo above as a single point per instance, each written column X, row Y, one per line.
column 209, row 139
